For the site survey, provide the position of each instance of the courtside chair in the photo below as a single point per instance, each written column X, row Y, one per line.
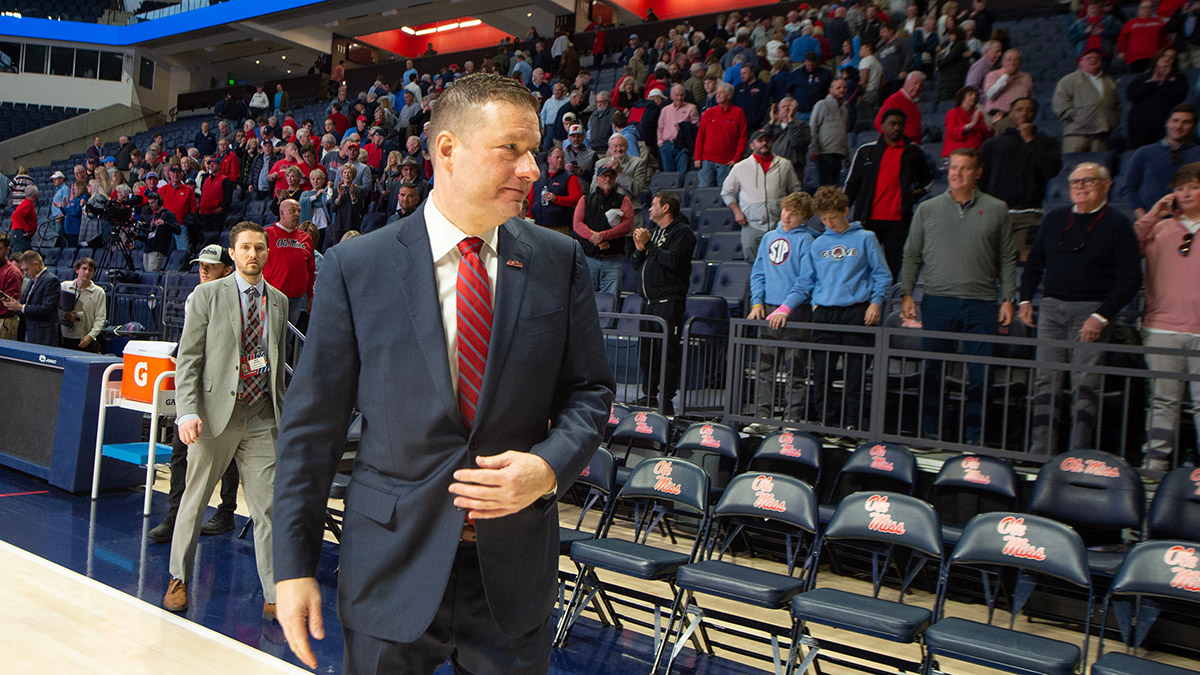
column 599, row 478
column 795, row 453
column 714, row 448
column 645, row 430
column 969, row 485
column 1147, row 580
column 1175, row 511
column 658, row 483
column 751, row 501
column 1039, row 550
column 886, row 520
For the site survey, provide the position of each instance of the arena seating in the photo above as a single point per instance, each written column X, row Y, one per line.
column 20, row 118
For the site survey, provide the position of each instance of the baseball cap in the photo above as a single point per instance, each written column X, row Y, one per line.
column 175, row 167
column 108, row 159
column 607, row 168
column 633, row 36
column 57, row 174
column 655, row 92
column 362, row 118
column 151, row 173
column 575, row 129
column 760, row 134
column 214, row 254
column 570, row 116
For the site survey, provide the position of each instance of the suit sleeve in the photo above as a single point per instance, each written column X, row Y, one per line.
column 46, row 307
column 189, row 360
column 313, row 430
column 583, row 393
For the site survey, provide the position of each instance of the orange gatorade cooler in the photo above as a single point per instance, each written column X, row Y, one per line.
column 145, row 360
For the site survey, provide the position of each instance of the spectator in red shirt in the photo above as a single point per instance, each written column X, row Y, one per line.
column 906, row 99
column 10, row 285
column 291, row 267
column 965, row 123
column 1141, row 37
column 180, row 199
column 340, row 121
column 229, row 164
column 721, row 139
column 278, row 174
column 216, row 194
column 24, row 221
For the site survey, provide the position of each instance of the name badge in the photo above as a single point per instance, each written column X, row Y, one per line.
column 254, row 364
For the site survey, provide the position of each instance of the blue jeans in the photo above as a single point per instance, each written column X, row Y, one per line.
column 673, row 158
column 606, row 273
column 963, row 316
column 713, row 174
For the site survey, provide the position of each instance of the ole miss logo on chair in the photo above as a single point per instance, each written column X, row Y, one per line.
column 787, row 445
column 971, row 472
column 706, row 437
column 1183, row 562
column 1094, row 467
column 664, row 482
column 1016, row 545
column 879, row 460
column 881, row 520
column 764, row 488
column 1196, row 480
column 639, row 424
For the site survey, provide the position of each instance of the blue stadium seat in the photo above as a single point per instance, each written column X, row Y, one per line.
column 664, row 180
column 705, row 198
column 724, row 246
column 701, row 278
column 731, row 282
column 711, row 221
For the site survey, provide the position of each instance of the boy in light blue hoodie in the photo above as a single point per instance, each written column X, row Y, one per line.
column 846, row 279
column 776, row 268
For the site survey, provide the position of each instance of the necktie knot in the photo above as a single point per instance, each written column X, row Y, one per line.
column 470, row 245
column 252, row 293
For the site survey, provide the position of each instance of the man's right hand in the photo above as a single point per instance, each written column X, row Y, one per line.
column 641, row 236
column 757, row 313
column 908, row 308
column 189, row 431
column 739, row 217
column 698, row 163
column 298, row 608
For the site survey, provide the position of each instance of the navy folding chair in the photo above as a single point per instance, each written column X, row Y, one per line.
column 616, row 413
column 712, row 447
column 1175, row 511
column 875, row 466
column 751, row 501
column 658, row 483
column 642, row 429
column 795, row 453
column 1039, row 549
column 600, row 479
column 884, row 520
column 1098, row 494
column 1148, row 579
column 968, row 485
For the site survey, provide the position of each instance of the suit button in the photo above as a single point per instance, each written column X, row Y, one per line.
column 473, row 445
column 233, row 393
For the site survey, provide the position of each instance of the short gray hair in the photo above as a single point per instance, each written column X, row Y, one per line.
column 1101, row 171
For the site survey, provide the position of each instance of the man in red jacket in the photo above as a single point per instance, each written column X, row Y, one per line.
column 905, row 99
column 24, row 221
column 230, row 165
column 721, row 139
column 179, row 198
column 291, row 267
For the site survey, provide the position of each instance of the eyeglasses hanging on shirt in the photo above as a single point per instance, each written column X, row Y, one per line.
column 1062, row 237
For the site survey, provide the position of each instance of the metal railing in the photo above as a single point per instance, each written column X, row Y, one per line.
column 636, row 348
column 1010, row 401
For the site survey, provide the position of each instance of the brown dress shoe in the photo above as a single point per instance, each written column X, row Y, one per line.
column 176, row 598
column 269, row 611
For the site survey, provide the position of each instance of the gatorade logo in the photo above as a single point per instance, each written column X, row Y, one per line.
column 778, row 251
column 141, row 374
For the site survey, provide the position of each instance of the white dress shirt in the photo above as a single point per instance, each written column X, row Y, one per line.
column 443, row 242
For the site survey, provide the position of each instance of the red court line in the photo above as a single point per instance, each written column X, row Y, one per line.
column 22, row 494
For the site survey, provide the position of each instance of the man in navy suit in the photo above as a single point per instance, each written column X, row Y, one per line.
column 475, row 420
column 38, row 305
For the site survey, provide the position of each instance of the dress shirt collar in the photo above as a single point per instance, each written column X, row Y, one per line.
column 444, row 235
column 1188, row 224
column 1103, row 204
column 242, row 284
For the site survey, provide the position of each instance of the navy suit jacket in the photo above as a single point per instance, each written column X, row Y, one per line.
column 41, row 310
column 376, row 338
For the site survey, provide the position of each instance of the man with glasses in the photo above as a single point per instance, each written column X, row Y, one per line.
column 1167, row 235
column 1085, row 259
column 1153, row 166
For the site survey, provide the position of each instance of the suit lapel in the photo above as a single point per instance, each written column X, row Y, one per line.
column 510, row 289
column 417, row 289
column 235, row 311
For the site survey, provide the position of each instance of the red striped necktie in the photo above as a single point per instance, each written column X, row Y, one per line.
column 474, row 303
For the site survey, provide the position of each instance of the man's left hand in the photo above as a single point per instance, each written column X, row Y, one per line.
column 502, row 485
column 85, row 341
column 13, row 305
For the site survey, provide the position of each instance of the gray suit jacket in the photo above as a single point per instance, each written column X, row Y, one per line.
column 206, row 371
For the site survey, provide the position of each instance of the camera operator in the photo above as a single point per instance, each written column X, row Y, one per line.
column 162, row 227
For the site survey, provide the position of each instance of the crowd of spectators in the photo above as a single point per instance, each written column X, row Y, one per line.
column 757, row 106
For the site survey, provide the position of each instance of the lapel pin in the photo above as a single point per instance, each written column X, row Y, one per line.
column 514, row 263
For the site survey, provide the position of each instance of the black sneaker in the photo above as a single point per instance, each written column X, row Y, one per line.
column 218, row 524
column 161, row 533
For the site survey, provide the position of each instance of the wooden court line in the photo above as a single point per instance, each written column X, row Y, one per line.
column 22, row 494
column 247, row 656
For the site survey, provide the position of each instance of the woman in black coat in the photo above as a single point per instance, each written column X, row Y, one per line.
column 953, row 62
column 349, row 205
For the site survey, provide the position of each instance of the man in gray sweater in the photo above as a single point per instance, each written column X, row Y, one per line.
column 828, row 123
column 963, row 240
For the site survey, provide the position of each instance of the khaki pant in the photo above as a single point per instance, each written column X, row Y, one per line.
column 250, row 438
column 1084, row 143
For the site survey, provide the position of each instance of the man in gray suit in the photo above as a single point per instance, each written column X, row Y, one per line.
column 229, row 392
column 1089, row 105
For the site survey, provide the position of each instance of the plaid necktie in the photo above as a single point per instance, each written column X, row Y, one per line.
column 253, row 388
column 474, row 302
